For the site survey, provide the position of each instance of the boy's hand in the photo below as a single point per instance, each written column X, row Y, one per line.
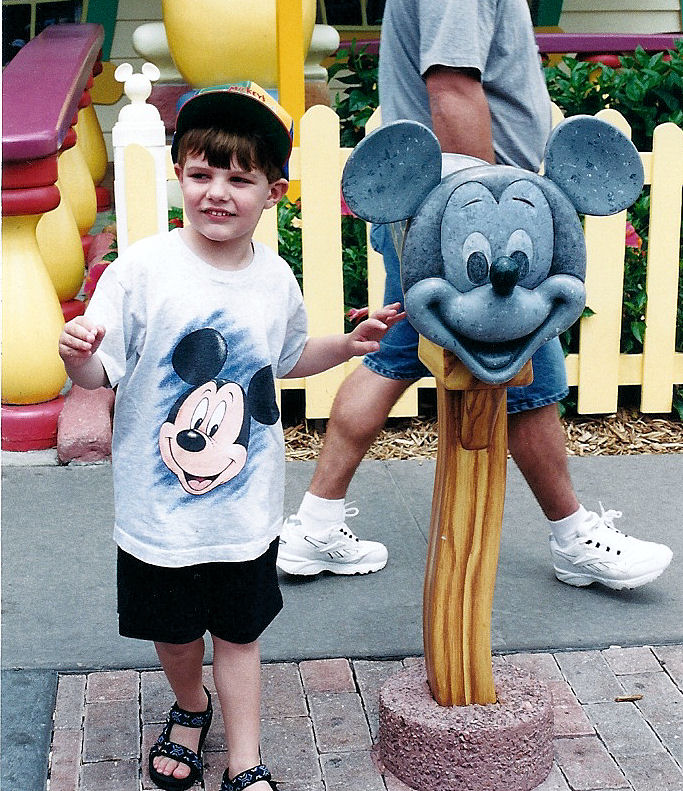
column 366, row 336
column 79, row 340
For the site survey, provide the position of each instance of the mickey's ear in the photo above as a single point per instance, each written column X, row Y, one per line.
column 392, row 171
column 594, row 164
column 261, row 397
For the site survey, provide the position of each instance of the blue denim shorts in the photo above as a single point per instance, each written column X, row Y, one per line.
column 397, row 356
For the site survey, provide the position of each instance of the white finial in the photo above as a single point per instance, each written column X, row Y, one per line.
column 137, row 88
column 139, row 126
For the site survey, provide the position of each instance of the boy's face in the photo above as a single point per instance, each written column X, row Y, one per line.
column 224, row 205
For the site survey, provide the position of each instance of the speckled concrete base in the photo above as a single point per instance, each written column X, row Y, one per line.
column 507, row 746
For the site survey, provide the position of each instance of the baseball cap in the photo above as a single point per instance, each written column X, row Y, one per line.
column 244, row 105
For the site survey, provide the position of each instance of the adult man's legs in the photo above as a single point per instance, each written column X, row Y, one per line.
column 359, row 412
column 585, row 546
column 316, row 538
column 536, row 442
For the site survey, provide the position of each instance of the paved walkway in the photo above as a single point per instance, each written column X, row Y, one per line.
column 80, row 704
column 617, row 714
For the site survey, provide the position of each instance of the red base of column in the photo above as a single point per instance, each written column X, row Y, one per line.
column 86, row 241
column 72, row 308
column 103, row 198
column 31, row 426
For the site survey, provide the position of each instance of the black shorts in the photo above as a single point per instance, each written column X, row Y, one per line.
column 233, row 601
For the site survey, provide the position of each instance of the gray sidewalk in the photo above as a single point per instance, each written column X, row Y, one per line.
column 59, row 619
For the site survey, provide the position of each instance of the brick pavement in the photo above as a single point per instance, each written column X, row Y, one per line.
column 320, row 718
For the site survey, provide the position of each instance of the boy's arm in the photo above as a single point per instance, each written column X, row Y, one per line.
column 78, row 344
column 319, row 354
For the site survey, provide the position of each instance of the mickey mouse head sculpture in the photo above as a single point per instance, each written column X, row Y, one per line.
column 493, row 258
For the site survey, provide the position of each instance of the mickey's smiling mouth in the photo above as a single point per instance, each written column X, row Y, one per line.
column 198, row 483
column 195, row 484
column 494, row 355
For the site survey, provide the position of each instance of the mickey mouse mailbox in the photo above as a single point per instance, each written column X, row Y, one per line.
column 493, row 257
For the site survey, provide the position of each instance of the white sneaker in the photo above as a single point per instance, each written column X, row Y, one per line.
column 601, row 553
column 306, row 551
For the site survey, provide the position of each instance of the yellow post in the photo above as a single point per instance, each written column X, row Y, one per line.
column 61, row 249
column 464, row 533
column 92, row 143
column 290, row 60
column 77, row 187
column 662, row 269
column 321, row 243
column 290, row 69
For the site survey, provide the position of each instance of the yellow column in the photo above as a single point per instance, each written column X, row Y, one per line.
column 32, row 370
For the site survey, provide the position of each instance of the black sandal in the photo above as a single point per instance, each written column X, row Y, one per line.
column 245, row 779
column 168, row 749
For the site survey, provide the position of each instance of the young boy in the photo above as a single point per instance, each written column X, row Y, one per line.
column 190, row 327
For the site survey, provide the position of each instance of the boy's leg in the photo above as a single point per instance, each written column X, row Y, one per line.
column 182, row 665
column 237, row 675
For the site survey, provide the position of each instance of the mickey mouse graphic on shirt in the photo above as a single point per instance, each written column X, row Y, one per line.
column 205, row 437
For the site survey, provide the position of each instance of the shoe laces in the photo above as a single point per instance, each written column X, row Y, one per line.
column 350, row 510
column 606, row 521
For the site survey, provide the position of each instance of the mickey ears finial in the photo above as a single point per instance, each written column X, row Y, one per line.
column 137, row 87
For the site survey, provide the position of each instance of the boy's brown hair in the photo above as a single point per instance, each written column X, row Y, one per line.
column 223, row 148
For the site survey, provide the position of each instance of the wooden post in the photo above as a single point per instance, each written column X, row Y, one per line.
column 464, row 534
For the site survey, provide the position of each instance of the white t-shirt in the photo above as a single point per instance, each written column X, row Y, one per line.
column 198, row 456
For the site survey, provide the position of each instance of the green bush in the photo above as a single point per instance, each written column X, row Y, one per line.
column 356, row 69
column 647, row 89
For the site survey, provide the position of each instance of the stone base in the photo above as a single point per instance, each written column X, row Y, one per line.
column 506, row 746
column 85, row 425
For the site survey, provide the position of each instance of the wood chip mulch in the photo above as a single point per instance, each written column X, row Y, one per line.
column 626, row 432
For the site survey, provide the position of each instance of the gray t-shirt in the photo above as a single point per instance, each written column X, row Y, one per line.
column 493, row 36
column 198, row 450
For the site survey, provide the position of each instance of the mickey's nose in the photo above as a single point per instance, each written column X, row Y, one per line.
column 505, row 273
column 191, row 440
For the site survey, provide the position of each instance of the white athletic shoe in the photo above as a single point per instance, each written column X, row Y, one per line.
column 307, row 551
column 601, row 553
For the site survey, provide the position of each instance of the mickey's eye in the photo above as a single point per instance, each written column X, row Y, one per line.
column 522, row 262
column 199, row 413
column 477, row 268
column 476, row 252
column 520, row 249
column 216, row 418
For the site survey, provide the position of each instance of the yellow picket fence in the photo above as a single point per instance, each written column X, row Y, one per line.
column 599, row 369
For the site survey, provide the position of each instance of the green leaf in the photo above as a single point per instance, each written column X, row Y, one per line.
column 638, row 330
column 678, row 402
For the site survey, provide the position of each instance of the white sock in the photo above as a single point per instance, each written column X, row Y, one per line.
column 319, row 512
column 564, row 530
